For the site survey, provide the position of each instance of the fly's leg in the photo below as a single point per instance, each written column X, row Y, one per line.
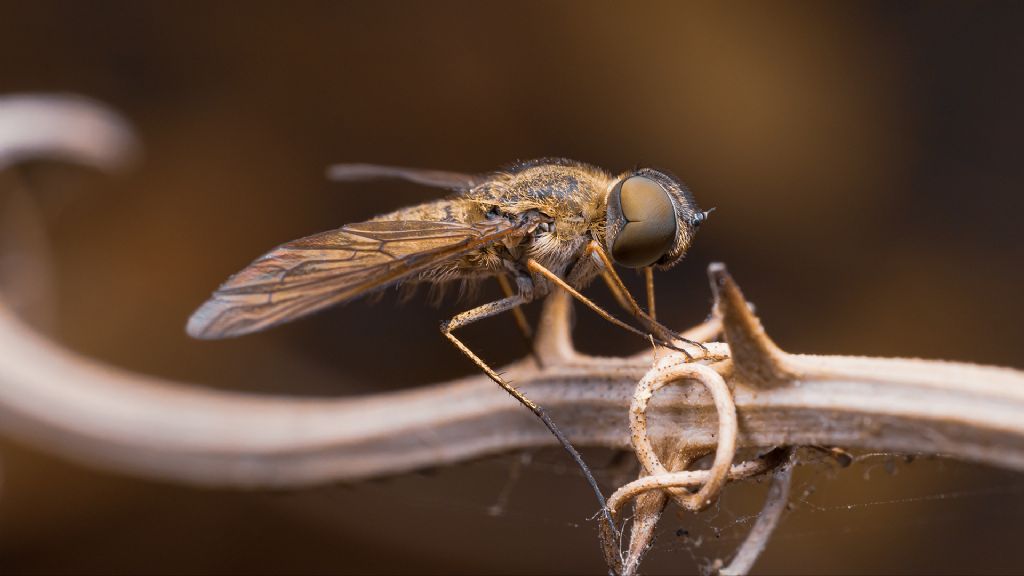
column 537, row 268
column 492, row 309
column 625, row 299
column 703, row 332
column 517, row 312
column 649, row 282
column 521, row 321
column 618, row 288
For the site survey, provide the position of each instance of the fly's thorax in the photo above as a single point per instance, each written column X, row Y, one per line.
column 561, row 189
column 651, row 219
column 566, row 197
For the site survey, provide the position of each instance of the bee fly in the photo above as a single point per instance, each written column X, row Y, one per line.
column 535, row 226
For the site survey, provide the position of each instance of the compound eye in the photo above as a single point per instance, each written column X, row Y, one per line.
column 650, row 227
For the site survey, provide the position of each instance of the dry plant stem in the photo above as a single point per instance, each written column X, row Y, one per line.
column 670, row 369
column 666, row 373
column 757, row 539
column 40, row 126
column 647, row 510
column 26, row 263
column 105, row 417
column 64, row 127
column 673, row 480
column 690, row 479
column 648, row 506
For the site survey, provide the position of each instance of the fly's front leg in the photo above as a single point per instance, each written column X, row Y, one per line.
column 626, row 300
column 540, row 270
column 492, row 309
column 619, row 290
column 649, row 283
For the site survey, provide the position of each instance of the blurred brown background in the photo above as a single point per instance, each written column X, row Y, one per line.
column 864, row 159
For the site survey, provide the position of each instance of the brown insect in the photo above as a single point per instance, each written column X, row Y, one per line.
column 534, row 226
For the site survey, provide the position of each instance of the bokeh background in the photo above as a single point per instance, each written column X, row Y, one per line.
column 865, row 160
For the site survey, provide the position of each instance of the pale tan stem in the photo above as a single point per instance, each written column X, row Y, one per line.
column 757, row 539
column 110, row 418
column 647, row 510
column 65, row 127
column 684, row 479
column 671, row 370
column 645, row 488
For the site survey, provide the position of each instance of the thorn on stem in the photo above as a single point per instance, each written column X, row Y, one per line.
column 753, row 352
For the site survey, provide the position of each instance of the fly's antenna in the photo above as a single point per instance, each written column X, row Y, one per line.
column 700, row 217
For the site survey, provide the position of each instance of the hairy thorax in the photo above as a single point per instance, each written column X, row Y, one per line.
column 572, row 201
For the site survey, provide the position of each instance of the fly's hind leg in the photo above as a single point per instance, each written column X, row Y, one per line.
column 495, row 308
column 474, row 315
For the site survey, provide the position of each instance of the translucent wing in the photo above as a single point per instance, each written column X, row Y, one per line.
column 435, row 178
column 306, row 275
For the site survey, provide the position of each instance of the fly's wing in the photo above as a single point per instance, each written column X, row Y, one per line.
column 434, row 178
column 301, row 277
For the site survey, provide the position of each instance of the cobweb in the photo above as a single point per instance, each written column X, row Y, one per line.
column 882, row 514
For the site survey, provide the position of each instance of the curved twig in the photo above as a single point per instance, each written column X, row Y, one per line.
column 674, row 481
column 660, row 376
column 102, row 416
column 64, row 127
column 693, row 478
column 655, row 476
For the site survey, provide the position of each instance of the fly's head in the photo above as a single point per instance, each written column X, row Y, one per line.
column 651, row 219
